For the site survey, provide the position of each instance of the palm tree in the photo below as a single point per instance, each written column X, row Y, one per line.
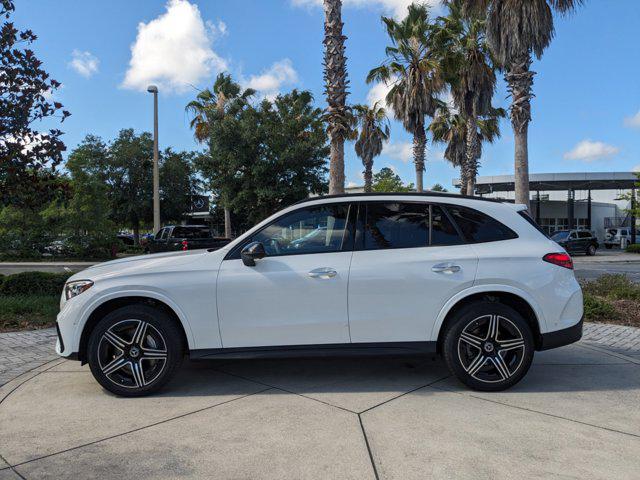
column 413, row 71
column 209, row 106
column 452, row 129
column 335, row 76
column 515, row 30
column 374, row 131
column 470, row 72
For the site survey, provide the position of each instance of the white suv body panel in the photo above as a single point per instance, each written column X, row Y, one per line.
column 188, row 283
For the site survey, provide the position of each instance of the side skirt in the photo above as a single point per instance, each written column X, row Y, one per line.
column 321, row 350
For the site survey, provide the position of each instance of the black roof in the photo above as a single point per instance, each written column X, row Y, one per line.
column 402, row 194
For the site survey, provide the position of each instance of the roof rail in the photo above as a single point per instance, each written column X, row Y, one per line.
column 402, row 194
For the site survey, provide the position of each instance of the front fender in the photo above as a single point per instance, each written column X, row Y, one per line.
column 145, row 292
column 483, row 289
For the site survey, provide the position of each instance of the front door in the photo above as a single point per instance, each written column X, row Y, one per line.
column 409, row 261
column 297, row 294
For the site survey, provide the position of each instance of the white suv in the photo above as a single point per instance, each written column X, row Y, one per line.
column 472, row 279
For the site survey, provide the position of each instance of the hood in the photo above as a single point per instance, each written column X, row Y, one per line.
column 145, row 263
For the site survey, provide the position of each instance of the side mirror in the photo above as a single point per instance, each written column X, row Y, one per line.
column 252, row 252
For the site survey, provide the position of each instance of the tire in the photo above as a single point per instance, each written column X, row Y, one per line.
column 591, row 250
column 472, row 353
column 135, row 350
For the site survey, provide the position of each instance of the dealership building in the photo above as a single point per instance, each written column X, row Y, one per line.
column 564, row 201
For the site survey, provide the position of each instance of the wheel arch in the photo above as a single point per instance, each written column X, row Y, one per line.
column 99, row 310
column 516, row 300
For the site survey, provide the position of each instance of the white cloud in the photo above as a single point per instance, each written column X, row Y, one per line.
column 271, row 80
column 217, row 29
column 174, row 50
column 85, row 63
column 636, row 169
column 633, row 121
column 397, row 8
column 378, row 93
column 352, row 185
column 402, row 151
column 590, row 151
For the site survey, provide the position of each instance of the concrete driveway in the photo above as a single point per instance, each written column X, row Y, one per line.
column 576, row 415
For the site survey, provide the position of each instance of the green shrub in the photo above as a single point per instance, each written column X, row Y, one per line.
column 613, row 287
column 34, row 283
column 28, row 311
column 596, row 308
column 633, row 248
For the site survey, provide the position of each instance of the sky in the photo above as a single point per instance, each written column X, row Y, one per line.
column 586, row 112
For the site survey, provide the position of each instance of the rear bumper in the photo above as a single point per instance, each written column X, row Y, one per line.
column 562, row 337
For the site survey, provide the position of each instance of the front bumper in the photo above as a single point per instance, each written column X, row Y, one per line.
column 559, row 338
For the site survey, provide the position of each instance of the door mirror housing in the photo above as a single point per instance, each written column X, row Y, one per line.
column 252, row 252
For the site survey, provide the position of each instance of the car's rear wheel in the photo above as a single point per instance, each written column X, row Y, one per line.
column 591, row 250
column 488, row 346
column 135, row 350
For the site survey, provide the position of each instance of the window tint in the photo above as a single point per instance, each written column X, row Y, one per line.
column 191, row 232
column 310, row 230
column 584, row 234
column 478, row 227
column 443, row 231
column 396, row 225
column 163, row 233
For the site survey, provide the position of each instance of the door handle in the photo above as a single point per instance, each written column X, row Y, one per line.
column 324, row 272
column 446, row 268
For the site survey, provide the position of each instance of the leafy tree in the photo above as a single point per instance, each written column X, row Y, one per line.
column 335, row 76
column 451, row 128
column 266, row 157
column 27, row 157
column 178, row 184
column 414, row 71
column 438, row 188
column 469, row 70
column 516, row 30
column 373, row 132
column 387, row 181
column 129, row 176
column 211, row 107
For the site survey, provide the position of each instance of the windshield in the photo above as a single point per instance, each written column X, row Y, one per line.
column 559, row 236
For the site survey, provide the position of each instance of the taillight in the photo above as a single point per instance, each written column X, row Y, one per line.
column 185, row 245
column 560, row 259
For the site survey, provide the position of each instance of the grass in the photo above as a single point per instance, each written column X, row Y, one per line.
column 612, row 299
column 24, row 312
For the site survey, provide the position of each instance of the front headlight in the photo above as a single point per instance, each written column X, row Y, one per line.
column 73, row 289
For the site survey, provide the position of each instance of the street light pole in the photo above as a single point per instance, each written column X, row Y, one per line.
column 156, row 172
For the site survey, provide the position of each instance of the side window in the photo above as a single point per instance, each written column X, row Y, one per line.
column 191, row 232
column 478, row 227
column 320, row 229
column 584, row 234
column 443, row 232
column 158, row 234
column 396, row 225
column 163, row 233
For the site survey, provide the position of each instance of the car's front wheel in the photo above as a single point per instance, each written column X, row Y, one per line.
column 488, row 346
column 591, row 250
column 135, row 350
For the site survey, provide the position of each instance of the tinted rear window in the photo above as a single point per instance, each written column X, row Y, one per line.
column 191, row 232
column 478, row 227
column 584, row 235
column 396, row 225
column 443, row 232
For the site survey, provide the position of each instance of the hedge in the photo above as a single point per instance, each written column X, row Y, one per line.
column 33, row 283
column 633, row 248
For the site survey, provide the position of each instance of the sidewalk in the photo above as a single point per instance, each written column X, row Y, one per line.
column 608, row 256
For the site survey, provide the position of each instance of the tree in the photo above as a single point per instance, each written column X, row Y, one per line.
column 373, row 132
column 413, row 70
column 516, row 30
column 210, row 107
column 387, row 181
column 451, row 128
column 438, row 188
column 178, row 184
column 27, row 157
column 471, row 75
column 266, row 157
column 335, row 77
column 129, row 174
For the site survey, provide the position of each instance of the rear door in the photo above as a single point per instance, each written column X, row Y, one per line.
column 408, row 261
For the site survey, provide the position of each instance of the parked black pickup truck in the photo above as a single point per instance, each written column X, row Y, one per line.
column 184, row 237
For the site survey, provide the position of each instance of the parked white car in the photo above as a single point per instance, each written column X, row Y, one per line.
column 613, row 237
column 472, row 279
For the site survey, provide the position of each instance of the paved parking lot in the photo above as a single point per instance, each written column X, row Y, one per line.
column 576, row 415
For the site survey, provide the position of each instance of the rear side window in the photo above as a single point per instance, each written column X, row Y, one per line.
column 396, row 225
column 533, row 223
column 584, row 235
column 478, row 227
column 443, row 232
column 191, row 232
